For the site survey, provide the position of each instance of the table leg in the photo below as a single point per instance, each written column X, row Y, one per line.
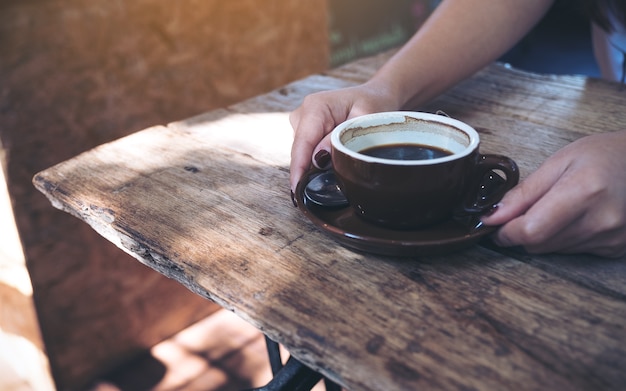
column 293, row 376
column 273, row 351
column 331, row 385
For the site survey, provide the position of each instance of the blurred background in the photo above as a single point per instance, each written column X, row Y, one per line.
column 75, row 312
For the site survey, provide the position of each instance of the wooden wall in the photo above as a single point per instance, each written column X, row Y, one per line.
column 78, row 73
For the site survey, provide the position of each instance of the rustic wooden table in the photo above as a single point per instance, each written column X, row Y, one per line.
column 206, row 202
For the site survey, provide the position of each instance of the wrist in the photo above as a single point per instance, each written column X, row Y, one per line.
column 403, row 87
column 388, row 91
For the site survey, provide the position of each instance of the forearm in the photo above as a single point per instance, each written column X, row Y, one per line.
column 460, row 38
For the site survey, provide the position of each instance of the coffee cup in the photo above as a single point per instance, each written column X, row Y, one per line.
column 408, row 170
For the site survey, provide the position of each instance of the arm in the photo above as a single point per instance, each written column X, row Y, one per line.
column 458, row 39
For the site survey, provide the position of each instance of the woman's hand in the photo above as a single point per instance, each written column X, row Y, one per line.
column 574, row 203
column 321, row 112
column 458, row 39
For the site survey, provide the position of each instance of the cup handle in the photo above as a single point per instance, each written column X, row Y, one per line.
column 482, row 198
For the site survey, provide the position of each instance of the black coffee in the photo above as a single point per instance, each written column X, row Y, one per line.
column 406, row 152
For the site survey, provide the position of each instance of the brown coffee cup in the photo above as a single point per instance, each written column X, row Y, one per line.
column 407, row 170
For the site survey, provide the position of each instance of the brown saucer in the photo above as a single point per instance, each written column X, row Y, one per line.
column 351, row 231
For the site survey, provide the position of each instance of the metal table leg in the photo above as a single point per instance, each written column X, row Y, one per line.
column 273, row 351
column 331, row 386
column 293, row 376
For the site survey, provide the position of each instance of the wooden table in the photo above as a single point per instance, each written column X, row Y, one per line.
column 206, row 202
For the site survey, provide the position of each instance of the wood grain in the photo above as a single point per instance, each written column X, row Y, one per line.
column 76, row 74
column 206, row 202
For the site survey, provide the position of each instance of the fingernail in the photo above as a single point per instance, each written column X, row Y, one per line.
column 493, row 210
column 293, row 199
column 322, row 158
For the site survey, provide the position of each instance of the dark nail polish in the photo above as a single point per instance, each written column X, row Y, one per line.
column 492, row 210
column 293, row 199
column 322, row 158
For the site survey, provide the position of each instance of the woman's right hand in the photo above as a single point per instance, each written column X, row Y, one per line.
column 318, row 115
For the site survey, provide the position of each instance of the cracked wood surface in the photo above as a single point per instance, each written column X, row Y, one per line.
column 206, row 202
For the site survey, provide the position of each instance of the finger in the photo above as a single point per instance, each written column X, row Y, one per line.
column 601, row 231
column 519, row 232
column 310, row 126
column 519, row 199
column 323, row 145
column 609, row 245
column 551, row 223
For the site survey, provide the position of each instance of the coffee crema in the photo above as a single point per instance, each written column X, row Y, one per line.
column 406, row 151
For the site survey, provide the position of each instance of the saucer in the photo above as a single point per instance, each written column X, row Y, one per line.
column 342, row 224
